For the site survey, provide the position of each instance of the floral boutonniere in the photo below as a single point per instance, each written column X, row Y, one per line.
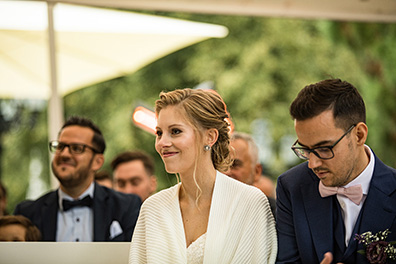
column 377, row 250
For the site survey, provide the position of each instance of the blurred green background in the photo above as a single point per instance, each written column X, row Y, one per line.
column 258, row 69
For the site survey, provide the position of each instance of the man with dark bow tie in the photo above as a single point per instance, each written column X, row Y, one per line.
column 81, row 210
column 342, row 189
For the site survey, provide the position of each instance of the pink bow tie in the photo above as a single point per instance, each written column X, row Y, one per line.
column 354, row 193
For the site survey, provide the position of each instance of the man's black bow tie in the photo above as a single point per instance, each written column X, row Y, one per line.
column 67, row 204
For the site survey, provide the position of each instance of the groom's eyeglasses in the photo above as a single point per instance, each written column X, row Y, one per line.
column 325, row 152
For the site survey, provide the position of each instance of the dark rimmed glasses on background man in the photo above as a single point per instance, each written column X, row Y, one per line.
column 74, row 148
column 324, row 152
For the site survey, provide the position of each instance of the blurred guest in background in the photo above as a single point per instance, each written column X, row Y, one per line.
column 81, row 210
column 133, row 172
column 15, row 228
column 104, row 178
column 266, row 184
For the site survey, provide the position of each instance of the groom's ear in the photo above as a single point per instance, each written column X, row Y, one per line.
column 361, row 133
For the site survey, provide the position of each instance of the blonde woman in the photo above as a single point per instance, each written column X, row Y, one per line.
column 208, row 217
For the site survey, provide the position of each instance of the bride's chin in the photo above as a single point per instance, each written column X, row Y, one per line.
column 170, row 171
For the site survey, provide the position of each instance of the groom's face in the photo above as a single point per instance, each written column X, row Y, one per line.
column 321, row 131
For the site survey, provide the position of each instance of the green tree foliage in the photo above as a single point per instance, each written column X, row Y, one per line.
column 258, row 69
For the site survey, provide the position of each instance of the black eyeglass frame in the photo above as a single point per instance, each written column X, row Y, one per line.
column 313, row 150
column 54, row 147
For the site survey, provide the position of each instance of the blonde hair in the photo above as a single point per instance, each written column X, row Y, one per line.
column 204, row 109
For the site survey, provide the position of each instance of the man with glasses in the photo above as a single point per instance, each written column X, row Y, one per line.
column 342, row 189
column 81, row 210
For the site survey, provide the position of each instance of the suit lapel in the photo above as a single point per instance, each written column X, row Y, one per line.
column 339, row 231
column 49, row 219
column 319, row 213
column 378, row 212
column 101, row 214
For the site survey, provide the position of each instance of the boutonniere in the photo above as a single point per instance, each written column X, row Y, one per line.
column 377, row 250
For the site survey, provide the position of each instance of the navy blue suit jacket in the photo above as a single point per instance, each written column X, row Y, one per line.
column 108, row 206
column 304, row 219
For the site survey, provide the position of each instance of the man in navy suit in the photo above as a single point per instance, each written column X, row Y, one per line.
column 81, row 210
column 341, row 190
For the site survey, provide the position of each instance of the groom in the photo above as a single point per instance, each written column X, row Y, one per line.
column 316, row 213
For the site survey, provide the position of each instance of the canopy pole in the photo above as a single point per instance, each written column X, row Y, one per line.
column 55, row 104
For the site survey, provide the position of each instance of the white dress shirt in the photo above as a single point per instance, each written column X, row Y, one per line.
column 76, row 224
column 350, row 211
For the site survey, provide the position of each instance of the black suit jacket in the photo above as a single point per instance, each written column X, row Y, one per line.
column 108, row 206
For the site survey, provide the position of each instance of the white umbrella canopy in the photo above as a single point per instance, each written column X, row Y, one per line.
column 92, row 45
column 48, row 50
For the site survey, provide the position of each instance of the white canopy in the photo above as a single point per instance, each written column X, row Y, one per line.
column 92, row 45
column 49, row 51
column 346, row 10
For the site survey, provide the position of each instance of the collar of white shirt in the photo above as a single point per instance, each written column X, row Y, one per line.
column 365, row 177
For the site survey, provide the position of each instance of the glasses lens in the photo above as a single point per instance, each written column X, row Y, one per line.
column 301, row 153
column 54, row 146
column 324, row 153
column 77, row 148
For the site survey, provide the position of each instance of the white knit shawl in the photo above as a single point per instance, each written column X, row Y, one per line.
column 241, row 227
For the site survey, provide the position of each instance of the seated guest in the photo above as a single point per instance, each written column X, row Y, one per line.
column 104, row 178
column 15, row 228
column 133, row 172
column 81, row 210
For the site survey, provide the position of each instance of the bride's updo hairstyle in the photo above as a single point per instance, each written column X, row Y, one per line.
column 203, row 109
